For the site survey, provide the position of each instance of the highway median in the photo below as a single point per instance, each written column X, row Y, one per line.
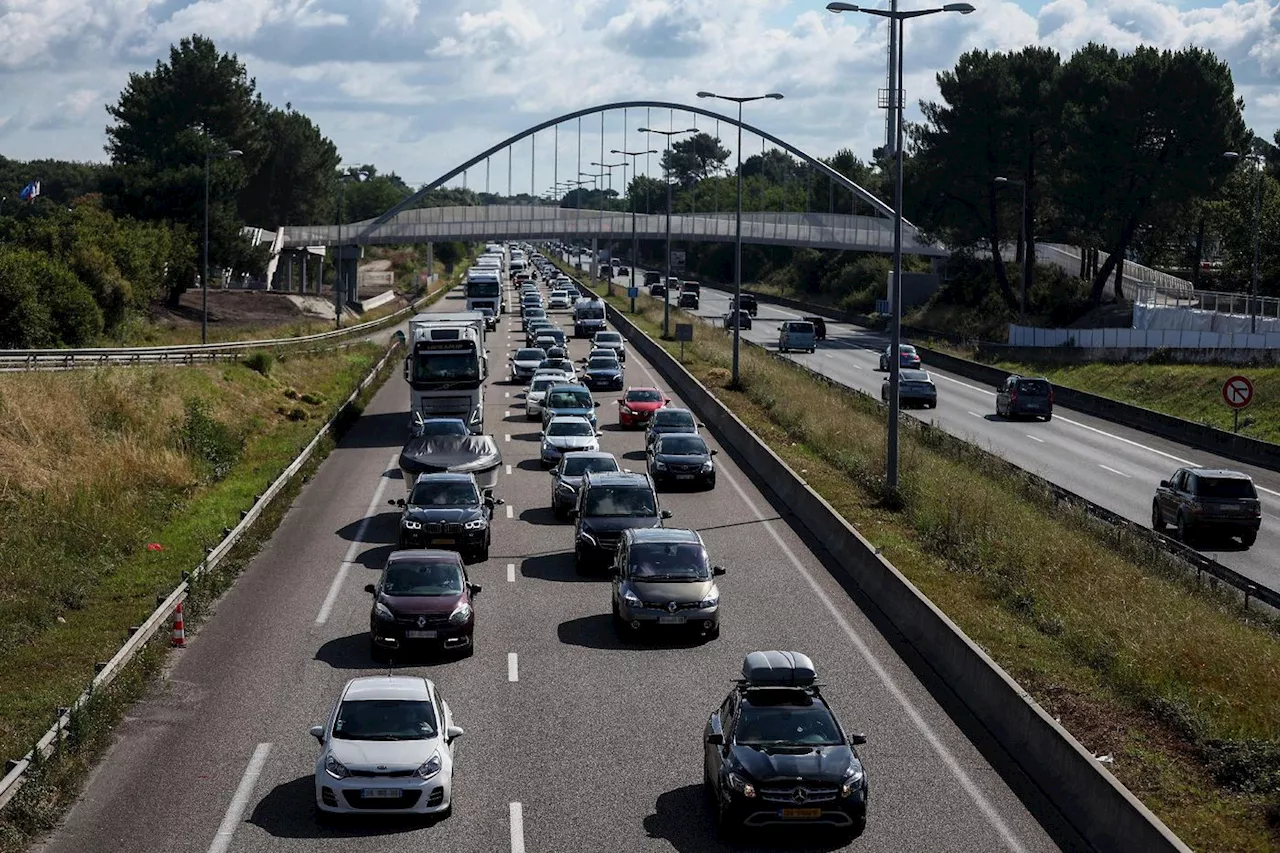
column 1172, row 685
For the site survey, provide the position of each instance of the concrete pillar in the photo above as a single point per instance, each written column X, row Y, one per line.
column 595, row 256
column 288, row 271
column 431, row 262
column 303, row 280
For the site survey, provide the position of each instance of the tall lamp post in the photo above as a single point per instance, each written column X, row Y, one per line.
column 1258, row 160
column 204, row 283
column 635, row 241
column 737, row 243
column 666, row 174
column 895, row 323
column 1024, row 239
column 608, row 169
column 595, row 187
column 337, row 255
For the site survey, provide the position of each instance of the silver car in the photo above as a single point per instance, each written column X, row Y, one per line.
column 662, row 577
column 387, row 748
column 538, row 392
column 613, row 341
column 566, row 433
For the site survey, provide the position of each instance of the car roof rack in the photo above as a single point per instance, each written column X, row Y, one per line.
column 778, row 669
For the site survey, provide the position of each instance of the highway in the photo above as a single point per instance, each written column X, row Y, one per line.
column 573, row 742
column 1112, row 465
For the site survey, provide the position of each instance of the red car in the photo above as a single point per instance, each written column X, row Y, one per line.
column 638, row 405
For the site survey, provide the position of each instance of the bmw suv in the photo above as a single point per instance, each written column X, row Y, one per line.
column 608, row 504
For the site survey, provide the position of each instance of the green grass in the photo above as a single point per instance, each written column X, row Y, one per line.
column 1108, row 634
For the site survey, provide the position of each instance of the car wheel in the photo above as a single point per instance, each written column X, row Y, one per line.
column 710, row 483
column 729, row 830
column 1048, row 417
column 579, row 561
column 1184, row 530
column 482, row 554
column 1157, row 520
column 713, row 634
column 447, row 813
column 1248, row 538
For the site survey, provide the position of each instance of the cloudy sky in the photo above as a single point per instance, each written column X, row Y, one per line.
column 419, row 86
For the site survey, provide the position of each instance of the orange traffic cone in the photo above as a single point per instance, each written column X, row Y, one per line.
column 179, row 634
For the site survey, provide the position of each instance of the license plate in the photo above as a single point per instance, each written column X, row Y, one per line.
column 445, row 541
column 684, row 476
column 380, row 793
column 802, row 813
column 670, row 620
column 420, row 635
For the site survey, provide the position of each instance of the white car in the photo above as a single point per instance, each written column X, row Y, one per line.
column 565, row 433
column 387, row 749
column 558, row 299
column 537, row 392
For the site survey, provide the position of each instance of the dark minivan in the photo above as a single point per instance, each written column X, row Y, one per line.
column 1020, row 396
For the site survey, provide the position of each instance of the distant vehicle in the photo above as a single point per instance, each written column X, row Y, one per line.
column 607, row 505
column 662, row 577
column 652, row 278
column 775, row 755
column 439, row 426
column 690, row 295
column 819, row 327
column 422, row 599
column 637, row 406
column 908, row 357
column 380, row 721
column 1025, row 395
column 588, row 317
column 670, row 420
column 559, row 300
column 447, row 511
column 797, row 335
column 741, row 319
column 613, row 341
column 676, row 458
column 914, row 386
column 604, row 373
column 1205, row 501
column 568, row 474
column 658, row 290
column 490, row 318
column 569, row 399
column 566, row 433
column 563, row 365
column 525, row 361
column 538, row 391
column 749, row 304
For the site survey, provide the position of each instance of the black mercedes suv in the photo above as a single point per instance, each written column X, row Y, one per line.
column 774, row 754
column 609, row 503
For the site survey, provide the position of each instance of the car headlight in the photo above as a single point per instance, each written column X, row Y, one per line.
column 852, row 782
column 335, row 768
column 631, row 598
column 708, row 467
column 625, row 408
column 562, row 486
column 460, row 614
column 429, row 768
column 742, row 786
column 409, row 524
column 659, row 465
column 712, row 599
column 476, row 524
column 587, row 537
column 383, row 612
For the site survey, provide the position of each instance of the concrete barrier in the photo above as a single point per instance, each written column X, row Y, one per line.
column 1093, row 801
column 378, row 301
column 1251, row 451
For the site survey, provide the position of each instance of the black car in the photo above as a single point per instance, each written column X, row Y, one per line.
column 741, row 318
column 688, row 299
column 819, row 326
column 607, row 505
column 447, row 511
column 1020, row 396
column 1203, row 501
column 775, row 755
column 676, row 458
column 490, row 318
column 748, row 304
column 669, row 420
column 658, row 290
column 570, row 470
column 422, row 599
column 604, row 374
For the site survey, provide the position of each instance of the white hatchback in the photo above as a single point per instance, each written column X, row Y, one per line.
column 387, row 749
column 558, row 299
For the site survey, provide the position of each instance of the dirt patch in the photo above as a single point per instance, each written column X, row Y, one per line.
column 232, row 308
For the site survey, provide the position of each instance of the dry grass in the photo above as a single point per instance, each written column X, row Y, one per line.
column 1175, row 682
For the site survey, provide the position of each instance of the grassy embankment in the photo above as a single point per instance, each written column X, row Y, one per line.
column 1175, row 682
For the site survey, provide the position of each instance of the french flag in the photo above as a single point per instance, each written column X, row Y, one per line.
column 30, row 191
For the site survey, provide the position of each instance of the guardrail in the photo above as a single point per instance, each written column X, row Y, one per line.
column 70, row 359
column 15, row 775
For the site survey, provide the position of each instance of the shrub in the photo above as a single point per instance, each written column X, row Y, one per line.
column 312, row 399
column 208, row 441
column 261, row 361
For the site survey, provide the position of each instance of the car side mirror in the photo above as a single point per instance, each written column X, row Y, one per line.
column 453, row 733
column 371, row 589
column 666, row 513
column 714, row 452
column 702, row 426
column 475, row 588
column 857, row 740
column 1164, row 484
column 317, row 732
column 715, row 739
column 717, row 571
column 597, row 403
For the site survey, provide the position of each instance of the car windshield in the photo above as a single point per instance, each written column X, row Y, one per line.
column 541, row 385
column 443, row 426
column 682, row 445
column 668, row 561
column 602, row 364
column 791, row 724
column 1225, row 487
column 576, row 466
column 531, row 354
column 447, row 493
column 564, row 365
column 570, row 400
column 573, row 427
column 620, row 501
column 422, row 578
column 1033, row 387
column 609, row 338
column 644, row 397
column 673, row 418
column 385, row 719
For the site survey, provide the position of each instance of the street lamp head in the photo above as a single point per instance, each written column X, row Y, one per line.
column 1231, row 155
column 775, row 96
column 842, row 7
column 707, row 95
column 1001, row 180
column 962, row 8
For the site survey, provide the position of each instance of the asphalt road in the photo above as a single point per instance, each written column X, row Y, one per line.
column 599, row 744
column 1114, row 466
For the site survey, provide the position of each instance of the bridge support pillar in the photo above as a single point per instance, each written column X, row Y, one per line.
column 348, row 258
column 303, row 276
column 288, row 272
column 431, row 262
column 595, row 259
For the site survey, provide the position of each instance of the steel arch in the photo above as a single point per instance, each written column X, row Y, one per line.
column 823, row 168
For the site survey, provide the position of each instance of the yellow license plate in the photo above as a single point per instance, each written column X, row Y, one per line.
column 802, row 813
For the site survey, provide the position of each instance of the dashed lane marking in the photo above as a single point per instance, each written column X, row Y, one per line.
column 511, row 572
column 513, row 667
column 1033, row 438
column 240, row 800
column 1114, row 471
column 344, row 567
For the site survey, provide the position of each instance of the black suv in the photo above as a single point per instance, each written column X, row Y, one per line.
column 608, row 504
column 1206, row 500
column 1025, row 395
column 748, row 304
column 447, row 511
column 689, row 295
column 774, row 754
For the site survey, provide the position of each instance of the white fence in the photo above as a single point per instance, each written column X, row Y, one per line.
column 1029, row 336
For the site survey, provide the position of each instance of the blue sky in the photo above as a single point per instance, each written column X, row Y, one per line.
column 418, row 86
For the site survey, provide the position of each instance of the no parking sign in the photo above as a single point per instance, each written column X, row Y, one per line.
column 1237, row 392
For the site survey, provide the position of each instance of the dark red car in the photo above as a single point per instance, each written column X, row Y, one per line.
column 638, row 405
column 423, row 599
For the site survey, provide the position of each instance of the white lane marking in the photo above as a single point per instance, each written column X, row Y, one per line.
column 1114, row 471
column 511, row 572
column 235, row 811
column 509, row 511
column 513, row 667
column 507, row 413
column 508, row 470
column 517, row 828
column 1265, row 489
column 507, row 437
column 1033, row 438
column 506, row 394
column 341, row 576
column 908, row 708
column 975, row 414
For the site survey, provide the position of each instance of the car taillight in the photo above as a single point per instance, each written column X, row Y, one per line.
column 1013, row 396
column 1050, row 396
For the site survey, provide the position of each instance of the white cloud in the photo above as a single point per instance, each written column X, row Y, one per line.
column 418, row 86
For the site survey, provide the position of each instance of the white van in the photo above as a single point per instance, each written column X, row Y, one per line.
column 796, row 335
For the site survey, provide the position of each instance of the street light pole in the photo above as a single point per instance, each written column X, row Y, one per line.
column 895, row 322
column 1024, row 240
column 204, row 281
column 737, row 243
column 635, row 241
column 666, row 174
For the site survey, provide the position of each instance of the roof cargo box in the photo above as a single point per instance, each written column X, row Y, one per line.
column 778, row 669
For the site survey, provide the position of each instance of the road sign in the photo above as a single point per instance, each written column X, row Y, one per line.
column 1237, row 392
column 677, row 260
column 684, row 331
column 882, row 306
column 633, row 292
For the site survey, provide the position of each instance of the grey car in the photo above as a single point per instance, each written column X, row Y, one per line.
column 669, row 420
column 663, row 577
column 1025, row 396
column 525, row 362
column 613, row 341
column 914, row 386
column 568, row 474
column 678, row 458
